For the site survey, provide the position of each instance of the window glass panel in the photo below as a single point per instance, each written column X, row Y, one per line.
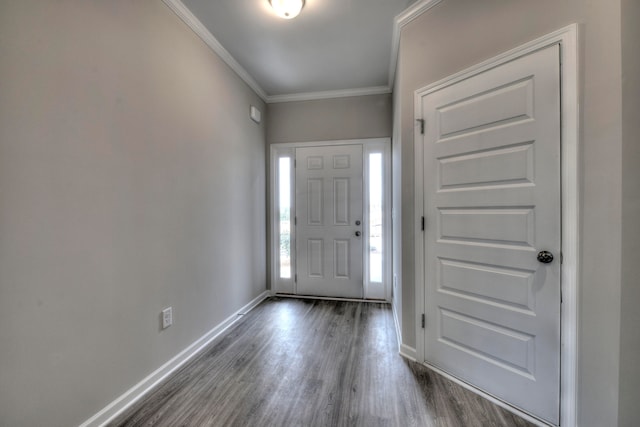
column 284, row 209
column 375, row 218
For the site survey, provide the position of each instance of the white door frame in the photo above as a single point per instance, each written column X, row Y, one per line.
column 369, row 145
column 567, row 38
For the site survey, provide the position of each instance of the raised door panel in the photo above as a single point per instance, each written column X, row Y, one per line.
column 315, row 258
column 341, row 254
column 315, row 205
column 341, row 197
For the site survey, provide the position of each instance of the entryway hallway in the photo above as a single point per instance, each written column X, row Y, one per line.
column 299, row 362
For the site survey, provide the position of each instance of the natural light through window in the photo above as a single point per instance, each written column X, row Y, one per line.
column 375, row 217
column 284, row 209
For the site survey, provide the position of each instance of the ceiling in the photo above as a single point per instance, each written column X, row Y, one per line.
column 333, row 47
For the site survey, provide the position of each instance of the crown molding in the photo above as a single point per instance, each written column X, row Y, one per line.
column 409, row 14
column 311, row 96
column 194, row 23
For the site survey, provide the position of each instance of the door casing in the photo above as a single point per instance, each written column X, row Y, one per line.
column 280, row 286
column 567, row 38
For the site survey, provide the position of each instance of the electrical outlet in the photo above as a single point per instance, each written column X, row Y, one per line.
column 167, row 317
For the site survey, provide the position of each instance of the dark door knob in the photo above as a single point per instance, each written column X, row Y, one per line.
column 545, row 257
column 357, row 234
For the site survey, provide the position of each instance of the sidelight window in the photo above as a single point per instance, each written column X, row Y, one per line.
column 376, row 244
column 284, row 216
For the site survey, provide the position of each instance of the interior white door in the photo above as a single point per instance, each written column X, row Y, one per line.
column 492, row 204
column 329, row 212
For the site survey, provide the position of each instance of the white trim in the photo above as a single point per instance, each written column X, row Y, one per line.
column 135, row 393
column 362, row 141
column 418, row 243
column 396, row 322
column 328, row 94
column 570, row 224
column 567, row 37
column 489, row 397
column 278, row 284
column 288, row 148
column 408, row 352
column 408, row 15
column 405, row 351
column 201, row 31
column 314, row 297
column 414, row 11
column 373, row 290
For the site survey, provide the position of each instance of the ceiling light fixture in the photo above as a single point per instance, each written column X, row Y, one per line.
column 287, row 9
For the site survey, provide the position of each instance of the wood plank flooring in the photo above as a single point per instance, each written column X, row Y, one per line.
column 292, row 362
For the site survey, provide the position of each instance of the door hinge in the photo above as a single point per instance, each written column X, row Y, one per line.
column 295, row 220
column 423, row 222
column 295, row 278
column 421, row 121
column 295, row 163
column 423, row 321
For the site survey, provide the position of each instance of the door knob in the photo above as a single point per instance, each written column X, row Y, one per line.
column 545, row 257
column 358, row 234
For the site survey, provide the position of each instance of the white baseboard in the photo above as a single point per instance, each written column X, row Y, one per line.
column 408, row 352
column 398, row 329
column 404, row 350
column 136, row 392
column 296, row 296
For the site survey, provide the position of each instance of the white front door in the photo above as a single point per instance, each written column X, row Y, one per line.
column 492, row 205
column 329, row 215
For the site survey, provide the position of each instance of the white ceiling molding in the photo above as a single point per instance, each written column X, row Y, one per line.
column 310, row 96
column 401, row 20
column 194, row 23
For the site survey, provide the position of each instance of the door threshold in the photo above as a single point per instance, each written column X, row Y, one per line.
column 379, row 301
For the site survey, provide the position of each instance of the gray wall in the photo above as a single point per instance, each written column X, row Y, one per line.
column 131, row 178
column 630, row 315
column 459, row 33
column 351, row 117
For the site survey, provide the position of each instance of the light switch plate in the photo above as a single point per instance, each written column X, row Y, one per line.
column 167, row 317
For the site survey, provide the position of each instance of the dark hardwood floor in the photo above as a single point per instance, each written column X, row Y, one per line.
column 293, row 362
